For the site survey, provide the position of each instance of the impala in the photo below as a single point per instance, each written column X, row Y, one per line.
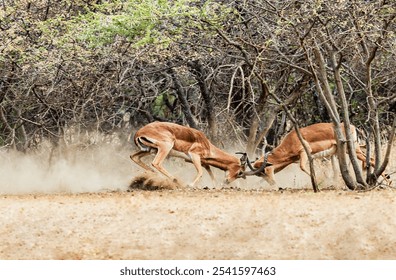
column 164, row 138
column 321, row 140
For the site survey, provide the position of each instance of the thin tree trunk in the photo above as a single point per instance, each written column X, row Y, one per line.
column 324, row 90
column 181, row 95
column 384, row 164
column 198, row 71
column 344, row 105
column 254, row 141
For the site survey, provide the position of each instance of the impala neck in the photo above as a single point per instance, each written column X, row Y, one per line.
column 221, row 159
column 279, row 154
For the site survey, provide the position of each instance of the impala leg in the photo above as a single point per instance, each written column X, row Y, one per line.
column 136, row 157
column 334, row 166
column 303, row 160
column 362, row 157
column 270, row 175
column 212, row 177
column 196, row 160
column 271, row 170
column 162, row 152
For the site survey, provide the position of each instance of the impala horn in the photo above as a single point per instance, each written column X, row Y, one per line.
column 259, row 170
column 244, row 157
column 245, row 160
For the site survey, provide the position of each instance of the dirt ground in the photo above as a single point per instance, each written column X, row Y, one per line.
column 79, row 208
column 200, row 224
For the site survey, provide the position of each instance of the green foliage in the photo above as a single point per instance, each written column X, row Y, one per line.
column 160, row 109
column 140, row 23
column 216, row 14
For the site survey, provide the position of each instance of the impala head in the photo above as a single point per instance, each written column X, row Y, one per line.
column 236, row 171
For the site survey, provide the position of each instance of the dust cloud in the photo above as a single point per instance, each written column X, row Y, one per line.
column 96, row 168
column 99, row 168
column 107, row 167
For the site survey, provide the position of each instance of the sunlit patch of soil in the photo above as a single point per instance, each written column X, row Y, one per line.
column 195, row 223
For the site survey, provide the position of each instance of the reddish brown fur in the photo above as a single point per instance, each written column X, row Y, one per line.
column 320, row 137
column 192, row 144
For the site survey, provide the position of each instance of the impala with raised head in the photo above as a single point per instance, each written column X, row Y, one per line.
column 164, row 138
column 321, row 140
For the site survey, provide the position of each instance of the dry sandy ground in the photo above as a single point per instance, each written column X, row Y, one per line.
column 200, row 224
column 77, row 207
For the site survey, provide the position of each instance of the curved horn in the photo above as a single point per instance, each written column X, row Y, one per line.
column 244, row 156
column 245, row 160
column 250, row 165
column 259, row 170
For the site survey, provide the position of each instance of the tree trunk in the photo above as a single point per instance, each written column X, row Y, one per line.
column 266, row 122
column 198, row 71
column 384, row 164
column 253, row 142
column 324, row 90
column 181, row 95
column 344, row 105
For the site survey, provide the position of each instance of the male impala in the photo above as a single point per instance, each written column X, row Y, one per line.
column 322, row 143
column 166, row 138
